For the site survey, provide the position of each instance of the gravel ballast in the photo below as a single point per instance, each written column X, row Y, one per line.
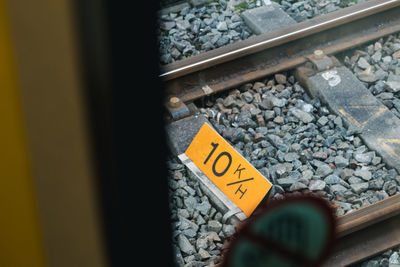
column 389, row 258
column 295, row 142
column 377, row 65
column 198, row 29
column 200, row 26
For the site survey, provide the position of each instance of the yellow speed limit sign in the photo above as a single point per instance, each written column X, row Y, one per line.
column 227, row 169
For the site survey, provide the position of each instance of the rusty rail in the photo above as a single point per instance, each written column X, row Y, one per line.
column 361, row 233
column 367, row 232
column 283, row 49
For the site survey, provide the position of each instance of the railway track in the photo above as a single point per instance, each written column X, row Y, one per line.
column 367, row 232
column 370, row 229
column 229, row 66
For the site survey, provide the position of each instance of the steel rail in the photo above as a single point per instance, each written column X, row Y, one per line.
column 257, row 57
column 367, row 231
column 216, row 59
column 361, row 233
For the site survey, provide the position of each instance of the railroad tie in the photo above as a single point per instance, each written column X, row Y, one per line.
column 346, row 96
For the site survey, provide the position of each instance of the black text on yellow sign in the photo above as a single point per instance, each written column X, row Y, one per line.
column 227, row 169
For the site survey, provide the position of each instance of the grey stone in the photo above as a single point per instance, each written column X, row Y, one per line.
column 394, row 258
column 193, row 28
column 200, row 220
column 174, row 8
column 229, row 101
column 291, row 156
column 376, row 160
column 277, row 189
column 392, row 86
column 234, row 134
column 286, row 182
column 190, row 202
column 364, row 174
column 213, row 236
column 316, row 185
column 377, row 46
column 338, row 121
column 266, row 18
column 190, row 233
column 297, row 186
column 344, row 205
column 279, row 120
column 258, row 137
column 218, row 216
column 199, row 2
column 320, row 155
column 167, row 25
column 396, row 103
column 248, row 97
column 297, row 176
column 376, row 57
column 396, row 55
column 277, row 102
column 245, row 120
column 190, row 190
column 357, row 141
column 392, row 174
column 304, row 106
column 234, row 25
column 390, row 187
column 395, row 46
column 280, row 78
column 269, row 115
column 228, row 229
column 189, row 17
column 266, row 103
column 381, row 74
column 263, row 130
column 202, row 242
column 366, row 76
column 258, row 164
column 183, row 213
column 280, row 170
column 203, row 207
column 203, row 254
column 334, row 179
column 337, row 188
column 364, row 157
column 301, row 115
column 387, row 59
column 363, row 63
column 187, row 224
column 323, row 170
column 184, row 245
column 355, row 180
column 307, row 174
column 322, row 121
column 175, row 53
column 221, row 26
column 277, row 142
column 385, row 96
column 359, row 188
column 341, row 162
column 381, row 195
column 214, row 226
column 183, row 24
